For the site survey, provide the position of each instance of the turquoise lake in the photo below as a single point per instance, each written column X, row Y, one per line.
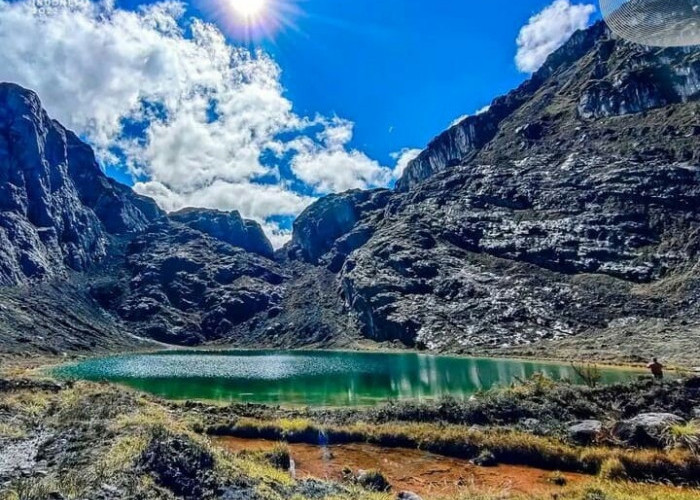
column 315, row 378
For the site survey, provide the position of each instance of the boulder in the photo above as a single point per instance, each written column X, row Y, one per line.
column 372, row 480
column 585, row 432
column 180, row 465
column 646, row 429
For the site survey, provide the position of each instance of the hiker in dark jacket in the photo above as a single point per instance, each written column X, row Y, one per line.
column 657, row 369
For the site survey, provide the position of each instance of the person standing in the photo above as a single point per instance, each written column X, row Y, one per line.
column 656, row 368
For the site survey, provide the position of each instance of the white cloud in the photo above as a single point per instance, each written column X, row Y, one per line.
column 548, row 30
column 403, row 158
column 206, row 110
column 459, row 120
column 329, row 166
column 258, row 201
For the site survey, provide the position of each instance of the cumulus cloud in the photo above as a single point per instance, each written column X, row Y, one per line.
column 328, row 165
column 187, row 113
column 403, row 158
column 548, row 30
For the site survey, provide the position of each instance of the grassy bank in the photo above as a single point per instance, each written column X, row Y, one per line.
column 99, row 441
column 508, row 447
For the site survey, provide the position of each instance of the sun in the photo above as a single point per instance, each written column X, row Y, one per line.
column 252, row 21
column 249, row 9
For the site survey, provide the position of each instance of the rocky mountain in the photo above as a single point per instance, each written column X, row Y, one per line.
column 565, row 220
column 569, row 210
column 85, row 263
column 57, row 208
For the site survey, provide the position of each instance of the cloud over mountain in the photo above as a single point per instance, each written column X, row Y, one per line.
column 547, row 30
column 195, row 120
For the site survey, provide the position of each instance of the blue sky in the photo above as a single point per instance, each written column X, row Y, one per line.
column 340, row 94
column 401, row 70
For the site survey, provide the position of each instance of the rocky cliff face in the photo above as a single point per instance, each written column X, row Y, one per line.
column 57, row 208
column 561, row 212
column 182, row 286
column 228, row 227
column 559, row 110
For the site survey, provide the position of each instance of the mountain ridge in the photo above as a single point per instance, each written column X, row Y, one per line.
column 566, row 214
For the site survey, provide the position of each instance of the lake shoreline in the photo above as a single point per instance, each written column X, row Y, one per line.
column 523, row 425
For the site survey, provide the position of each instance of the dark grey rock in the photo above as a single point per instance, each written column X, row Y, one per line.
column 485, row 459
column 182, row 286
column 181, row 466
column 315, row 489
column 228, row 227
column 332, row 224
column 585, row 432
column 646, row 429
column 372, row 480
column 407, row 495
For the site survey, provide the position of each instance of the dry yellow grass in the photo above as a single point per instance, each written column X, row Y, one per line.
column 513, row 447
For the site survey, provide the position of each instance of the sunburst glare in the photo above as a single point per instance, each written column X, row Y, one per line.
column 249, row 9
column 254, row 20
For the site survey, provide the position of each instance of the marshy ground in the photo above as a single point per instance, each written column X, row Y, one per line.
column 65, row 440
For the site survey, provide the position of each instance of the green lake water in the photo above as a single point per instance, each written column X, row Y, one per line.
column 315, row 378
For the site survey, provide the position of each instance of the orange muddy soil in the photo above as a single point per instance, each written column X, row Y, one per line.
column 423, row 473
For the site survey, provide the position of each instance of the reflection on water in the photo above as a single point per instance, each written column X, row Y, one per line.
column 313, row 378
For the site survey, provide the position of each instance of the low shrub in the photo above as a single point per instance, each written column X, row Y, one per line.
column 507, row 446
column 373, row 480
column 685, row 436
column 280, row 456
column 612, row 469
column 557, row 478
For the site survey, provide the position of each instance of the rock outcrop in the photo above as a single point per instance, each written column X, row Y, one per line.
column 647, row 429
column 228, row 227
column 181, row 286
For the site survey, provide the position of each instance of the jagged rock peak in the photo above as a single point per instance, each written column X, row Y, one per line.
column 228, row 227
column 320, row 226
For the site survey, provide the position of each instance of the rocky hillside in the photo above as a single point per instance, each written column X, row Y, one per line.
column 569, row 210
column 565, row 220
column 87, row 264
